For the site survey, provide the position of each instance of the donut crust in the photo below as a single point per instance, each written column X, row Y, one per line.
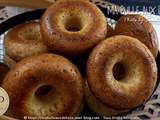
column 97, row 106
column 138, row 27
column 140, row 77
column 9, row 61
column 110, row 31
column 64, row 99
column 80, row 13
column 24, row 40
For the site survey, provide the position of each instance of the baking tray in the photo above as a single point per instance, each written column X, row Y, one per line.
column 111, row 17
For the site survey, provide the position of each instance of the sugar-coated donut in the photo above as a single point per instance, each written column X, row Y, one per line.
column 3, row 71
column 9, row 61
column 44, row 85
column 24, row 40
column 140, row 72
column 138, row 27
column 73, row 27
column 97, row 106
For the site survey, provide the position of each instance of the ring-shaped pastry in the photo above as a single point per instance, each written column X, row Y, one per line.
column 138, row 80
column 138, row 27
column 44, row 85
column 73, row 27
column 24, row 40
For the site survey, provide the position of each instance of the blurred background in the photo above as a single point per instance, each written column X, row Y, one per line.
column 152, row 6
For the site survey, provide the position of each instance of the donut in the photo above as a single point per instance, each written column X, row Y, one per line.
column 9, row 61
column 3, row 71
column 138, row 27
column 140, row 72
column 24, row 40
column 44, row 85
column 97, row 106
column 110, row 31
column 73, row 27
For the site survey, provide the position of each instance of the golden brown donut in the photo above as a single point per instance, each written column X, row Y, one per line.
column 140, row 72
column 73, row 27
column 3, row 71
column 24, row 40
column 110, row 31
column 9, row 61
column 138, row 27
column 97, row 106
column 44, row 85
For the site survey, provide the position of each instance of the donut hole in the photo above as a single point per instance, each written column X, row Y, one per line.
column 73, row 21
column 73, row 24
column 43, row 90
column 119, row 71
column 30, row 33
column 126, row 71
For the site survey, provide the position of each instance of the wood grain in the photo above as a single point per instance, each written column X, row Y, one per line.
column 32, row 4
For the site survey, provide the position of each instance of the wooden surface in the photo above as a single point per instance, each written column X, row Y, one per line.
column 40, row 4
column 3, row 117
column 32, row 4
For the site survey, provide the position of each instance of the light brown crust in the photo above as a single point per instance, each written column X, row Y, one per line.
column 81, row 14
column 97, row 106
column 138, row 27
column 3, row 71
column 9, row 61
column 140, row 77
column 24, row 40
column 110, row 31
column 64, row 99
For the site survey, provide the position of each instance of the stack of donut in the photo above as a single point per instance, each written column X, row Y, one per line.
column 120, row 72
column 43, row 82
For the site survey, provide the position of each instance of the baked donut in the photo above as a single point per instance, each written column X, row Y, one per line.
column 24, row 40
column 44, row 85
column 138, row 27
column 110, row 31
column 97, row 106
column 140, row 72
column 9, row 61
column 3, row 71
column 73, row 27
